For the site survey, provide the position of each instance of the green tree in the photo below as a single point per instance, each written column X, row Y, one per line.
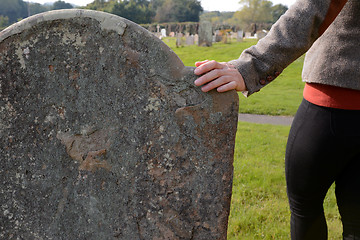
column 256, row 13
column 138, row 11
column 13, row 9
column 35, row 8
column 4, row 21
column 277, row 11
column 62, row 5
column 216, row 17
column 179, row 11
column 101, row 5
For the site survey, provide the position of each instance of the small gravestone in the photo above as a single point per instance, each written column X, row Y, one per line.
column 240, row 35
column 179, row 39
column 105, row 136
column 163, row 32
column 218, row 36
column 248, row 35
column 190, row 40
column 205, row 34
column 261, row 34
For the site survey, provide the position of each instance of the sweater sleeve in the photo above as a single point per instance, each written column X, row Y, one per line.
column 289, row 38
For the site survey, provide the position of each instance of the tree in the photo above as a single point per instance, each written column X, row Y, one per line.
column 13, row 9
column 35, row 8
column 277, row 11
column 179, row 11
column 216, row 17
column 256, row 13
column 4, row 21
column 62, row 5
column 102, row 5
column 135, row 10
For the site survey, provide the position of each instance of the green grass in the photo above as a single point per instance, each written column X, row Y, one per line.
column 259, row 208
column 281, row 97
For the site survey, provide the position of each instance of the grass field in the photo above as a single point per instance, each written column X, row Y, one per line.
column 259, row 208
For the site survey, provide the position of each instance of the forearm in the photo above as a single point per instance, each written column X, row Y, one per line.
column 289, row 38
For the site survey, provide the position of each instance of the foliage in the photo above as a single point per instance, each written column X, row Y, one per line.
column 277, row 11
column 216, row 17
column 36, row 8
column 135, row 10
column 148, row 11
column 258, row 13
column 254, row 15
column 4, row 21
column 101, row 5
column 61, row 5
column 13, row 9
column 179, row 11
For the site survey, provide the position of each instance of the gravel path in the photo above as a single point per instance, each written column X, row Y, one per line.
column 265, row 119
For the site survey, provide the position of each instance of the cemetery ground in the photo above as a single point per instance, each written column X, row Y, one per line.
column 259, row 208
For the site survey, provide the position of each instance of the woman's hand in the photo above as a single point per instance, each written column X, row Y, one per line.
column 222, row 76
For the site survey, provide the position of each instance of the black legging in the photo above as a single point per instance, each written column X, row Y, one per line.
column 323, row 148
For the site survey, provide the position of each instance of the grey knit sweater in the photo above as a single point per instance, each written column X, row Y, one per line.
column 328, row 29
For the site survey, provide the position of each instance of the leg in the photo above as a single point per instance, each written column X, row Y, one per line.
column 346, row 127
column 311, row 167
column 348, row 198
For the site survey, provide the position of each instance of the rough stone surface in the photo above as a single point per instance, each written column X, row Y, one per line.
column 105, row 136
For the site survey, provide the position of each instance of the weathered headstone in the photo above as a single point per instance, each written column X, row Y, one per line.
column 260, row 34
column 190, row 40
column 240, row 35
column 205, row 34
column 248, row 35
column 105, row 136
column 179, row 39
column 218, row 36
column 163, row 32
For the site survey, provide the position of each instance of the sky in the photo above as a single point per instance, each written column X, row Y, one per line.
column 208, row 5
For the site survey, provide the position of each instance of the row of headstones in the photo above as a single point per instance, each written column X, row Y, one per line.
column 206, row 36
column 188, row 39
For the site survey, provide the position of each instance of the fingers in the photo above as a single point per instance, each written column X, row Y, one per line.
column 207, row 66
column 215, row 84
column 208, row 77
column 227, row 87
column 219, row 76
column 198, row 64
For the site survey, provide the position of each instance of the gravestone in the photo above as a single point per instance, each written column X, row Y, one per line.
column 190, row 40
column 179, row 39
column 240, row 35
column 248, row 35
column 163, row 32
column 261, row 34
column 218, row 36
column 205, row 34
column 105, row 136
